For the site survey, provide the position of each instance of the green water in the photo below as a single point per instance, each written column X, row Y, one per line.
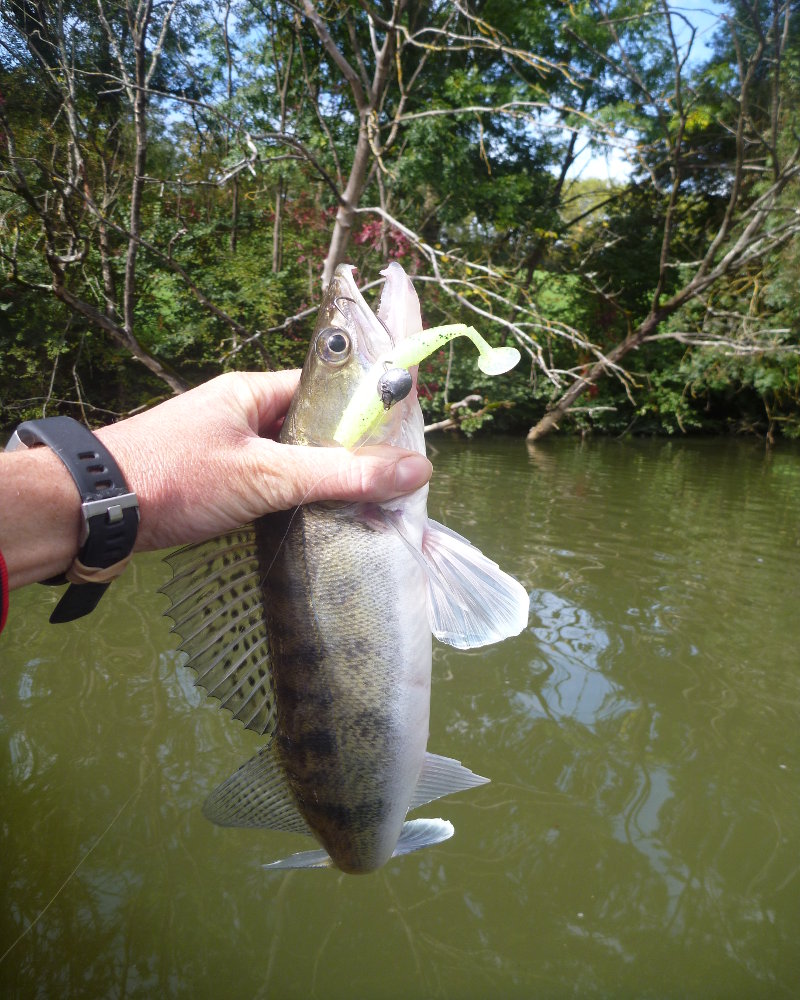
column 641, row 835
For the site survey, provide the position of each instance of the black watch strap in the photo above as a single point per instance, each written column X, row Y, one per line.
column 110, row 511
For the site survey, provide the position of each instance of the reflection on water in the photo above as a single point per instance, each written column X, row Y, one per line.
column 570, row 647
column 639, row 838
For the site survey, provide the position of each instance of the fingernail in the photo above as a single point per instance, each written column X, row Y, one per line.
column 412, row 472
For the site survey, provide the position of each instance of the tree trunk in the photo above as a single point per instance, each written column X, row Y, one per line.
column 120, row 336
column 277, row 229
column 368, row 96
column 568, row 399
column 351, row 196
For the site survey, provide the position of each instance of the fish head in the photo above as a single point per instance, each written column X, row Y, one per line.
column 348, row 343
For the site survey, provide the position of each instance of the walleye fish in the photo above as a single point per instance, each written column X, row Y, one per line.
column 313, row 626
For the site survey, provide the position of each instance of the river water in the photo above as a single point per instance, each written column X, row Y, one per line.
column 641, row 834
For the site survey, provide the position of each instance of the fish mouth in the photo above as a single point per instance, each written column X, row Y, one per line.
column 372, row 336
column 387, row 378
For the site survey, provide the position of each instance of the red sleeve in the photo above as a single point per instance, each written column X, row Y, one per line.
column 3, row 592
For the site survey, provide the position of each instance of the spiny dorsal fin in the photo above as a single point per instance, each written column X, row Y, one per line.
column 258, row 796
column 216, row 605
column 442, row 776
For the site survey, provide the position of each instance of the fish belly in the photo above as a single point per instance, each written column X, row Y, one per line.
column 350, row 648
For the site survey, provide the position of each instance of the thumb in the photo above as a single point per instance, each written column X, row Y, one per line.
column 371, row 474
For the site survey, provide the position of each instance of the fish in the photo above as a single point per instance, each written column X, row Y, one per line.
column 314, row 626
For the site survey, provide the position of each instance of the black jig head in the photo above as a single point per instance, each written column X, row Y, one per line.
column 395, row 384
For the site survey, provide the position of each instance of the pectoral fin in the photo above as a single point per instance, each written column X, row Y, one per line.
column 471, row 601
column 304, row 859
column 419, row 833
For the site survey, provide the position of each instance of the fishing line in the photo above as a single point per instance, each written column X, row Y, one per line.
column 71, row 875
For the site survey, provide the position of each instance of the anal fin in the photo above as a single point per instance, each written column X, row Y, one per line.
column 442, row 776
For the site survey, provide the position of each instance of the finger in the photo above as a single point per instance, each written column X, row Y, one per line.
column 269, row 393
column 370, row 475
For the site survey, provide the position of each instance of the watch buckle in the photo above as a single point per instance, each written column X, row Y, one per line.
column 112, row 507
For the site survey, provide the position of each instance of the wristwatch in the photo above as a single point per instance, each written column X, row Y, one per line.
column 110, row 511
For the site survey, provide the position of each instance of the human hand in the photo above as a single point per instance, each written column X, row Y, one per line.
column 199, row 466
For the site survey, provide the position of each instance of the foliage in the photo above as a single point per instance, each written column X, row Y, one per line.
column 176, row 178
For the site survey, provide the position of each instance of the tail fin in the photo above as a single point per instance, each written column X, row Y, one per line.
column 416, row 834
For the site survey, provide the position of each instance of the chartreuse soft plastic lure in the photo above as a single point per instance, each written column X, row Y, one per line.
column 366, row 409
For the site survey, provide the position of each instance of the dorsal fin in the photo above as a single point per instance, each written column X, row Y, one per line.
column 257, row 796
column 217, row 608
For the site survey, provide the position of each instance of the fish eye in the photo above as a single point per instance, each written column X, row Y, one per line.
column 333, row 345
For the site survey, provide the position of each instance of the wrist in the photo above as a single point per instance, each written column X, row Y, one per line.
column 139, row 464
column 109, row 511
column 40, row 535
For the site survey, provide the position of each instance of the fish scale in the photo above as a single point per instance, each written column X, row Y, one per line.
column 352, row 699
column 314, row 626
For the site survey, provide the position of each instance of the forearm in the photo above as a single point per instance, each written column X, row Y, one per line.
column 200, row 464
column 40, row 516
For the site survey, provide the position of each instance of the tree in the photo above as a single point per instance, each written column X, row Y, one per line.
column 94, row 75
column 178, row 178
column 725, row 136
